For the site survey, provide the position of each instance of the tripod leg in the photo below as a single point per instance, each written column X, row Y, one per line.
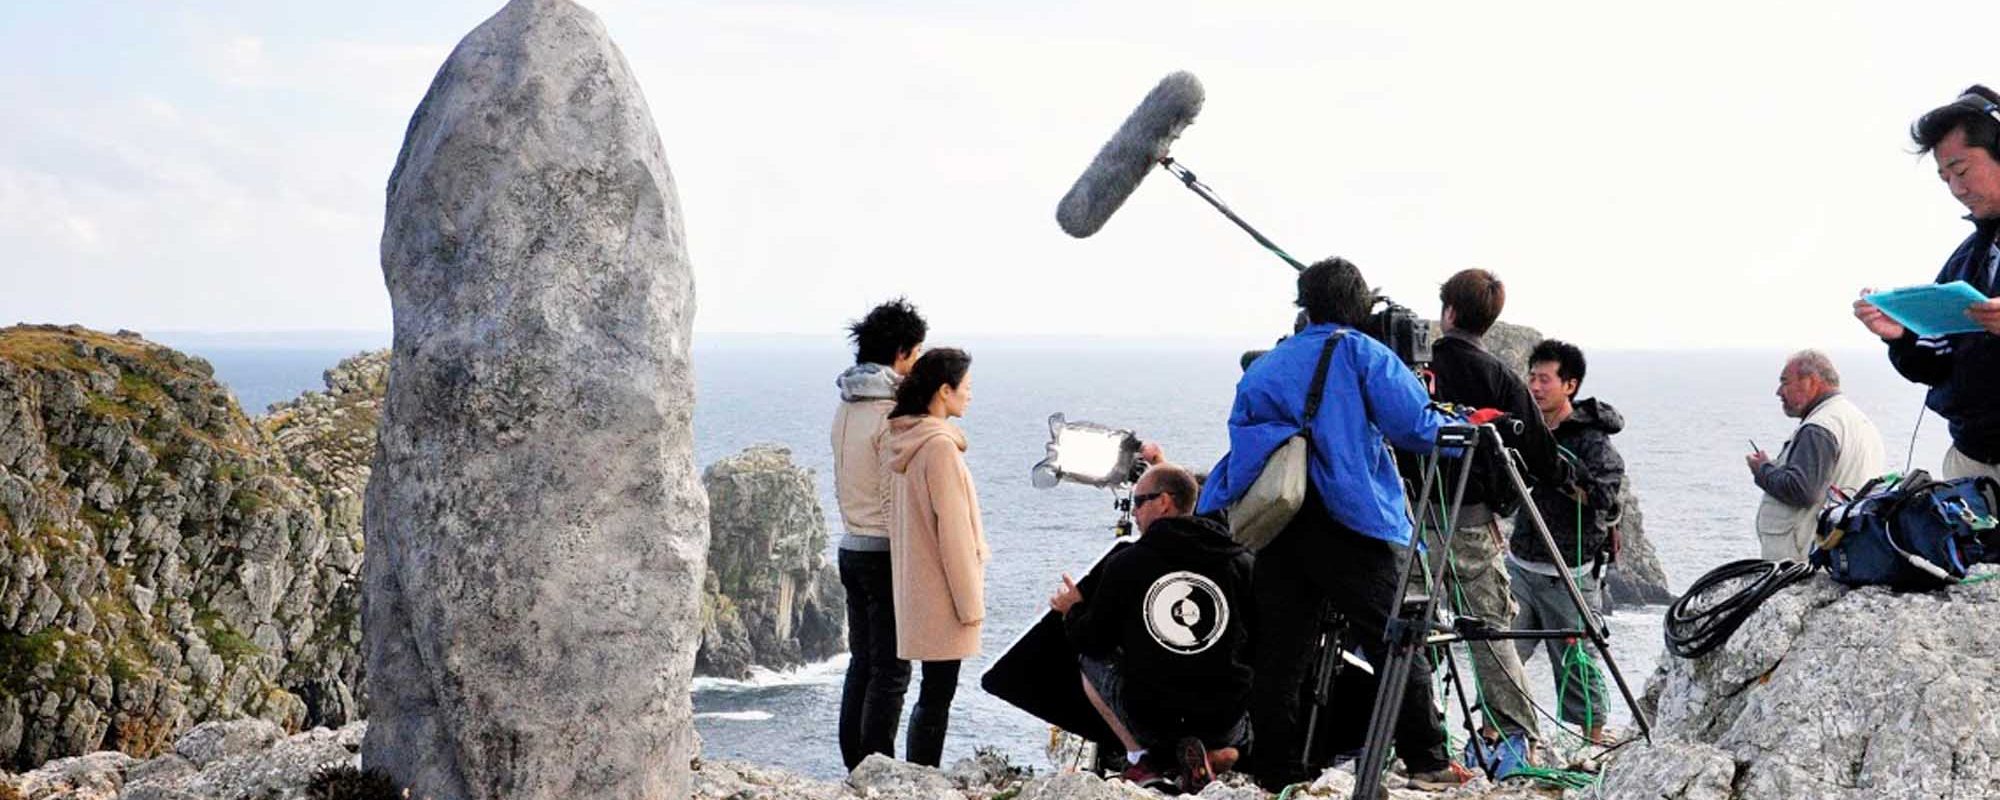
column 1593, row 625
column 1409, row 624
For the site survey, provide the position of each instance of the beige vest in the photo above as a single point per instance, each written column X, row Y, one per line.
column 1786, row 532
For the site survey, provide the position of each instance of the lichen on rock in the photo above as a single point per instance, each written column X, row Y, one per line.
column 1829, row 693
column 160, row 562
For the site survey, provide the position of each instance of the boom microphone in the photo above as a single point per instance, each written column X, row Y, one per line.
column 1138, row 145
column 1124, row 161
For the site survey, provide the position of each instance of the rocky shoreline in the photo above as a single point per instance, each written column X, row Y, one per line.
column 1826, row 693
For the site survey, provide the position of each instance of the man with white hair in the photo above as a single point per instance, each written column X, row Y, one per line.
column 1835, row 447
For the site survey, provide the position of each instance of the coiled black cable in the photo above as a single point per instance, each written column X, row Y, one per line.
column 1698, row 623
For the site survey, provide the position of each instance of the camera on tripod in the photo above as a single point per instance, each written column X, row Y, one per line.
column 1405, row 333
column 1394, row 325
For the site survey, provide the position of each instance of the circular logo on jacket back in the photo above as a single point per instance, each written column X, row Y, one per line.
column 1185, row 612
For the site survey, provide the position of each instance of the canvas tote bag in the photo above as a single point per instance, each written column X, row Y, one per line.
column 1257, row 517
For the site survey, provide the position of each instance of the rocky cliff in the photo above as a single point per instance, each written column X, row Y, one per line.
column 771, row 598
column 160, row 562
column 1827, row 693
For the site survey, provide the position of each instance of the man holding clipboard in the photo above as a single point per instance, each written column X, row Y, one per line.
column 1958, row 358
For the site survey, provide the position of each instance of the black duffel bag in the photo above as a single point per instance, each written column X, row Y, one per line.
column 1911, row 533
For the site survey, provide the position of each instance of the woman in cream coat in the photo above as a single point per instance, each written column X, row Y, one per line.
column 937, row 547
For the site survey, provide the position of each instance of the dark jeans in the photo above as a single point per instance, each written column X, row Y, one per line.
column 1313, row 561
column 933, row 713
column 871, row 703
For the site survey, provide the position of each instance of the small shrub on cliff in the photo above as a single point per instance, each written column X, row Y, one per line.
column 347, row 783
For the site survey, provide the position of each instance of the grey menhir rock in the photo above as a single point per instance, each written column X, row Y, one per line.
column 771, row 598
column 535, row 529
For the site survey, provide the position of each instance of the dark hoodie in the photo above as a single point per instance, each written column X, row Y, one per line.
column 1585, row 441
column 1153, row 608
column 1962, row 369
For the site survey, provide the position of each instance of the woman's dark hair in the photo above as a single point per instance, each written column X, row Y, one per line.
column 1475, row 298
column 1567, row 358
column 1971, row 112
column 944, row 366
column 889, row 330
column 1333, row 291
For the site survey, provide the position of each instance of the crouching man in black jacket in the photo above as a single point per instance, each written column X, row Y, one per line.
column 1164, row 638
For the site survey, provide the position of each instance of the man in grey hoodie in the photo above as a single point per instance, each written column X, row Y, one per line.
column 886, row 342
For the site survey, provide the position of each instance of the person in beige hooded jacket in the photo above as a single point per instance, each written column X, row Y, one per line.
column 937, row 546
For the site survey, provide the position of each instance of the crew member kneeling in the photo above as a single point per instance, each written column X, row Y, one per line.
column 1164, row 638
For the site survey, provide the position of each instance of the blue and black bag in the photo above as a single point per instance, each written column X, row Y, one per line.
column 1910, row 533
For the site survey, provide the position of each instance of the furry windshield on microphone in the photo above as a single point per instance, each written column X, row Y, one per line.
column 1139, row 144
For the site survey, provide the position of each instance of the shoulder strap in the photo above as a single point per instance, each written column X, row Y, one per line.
column 1319, row 376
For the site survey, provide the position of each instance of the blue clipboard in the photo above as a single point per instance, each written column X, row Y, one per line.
column 1936, row 309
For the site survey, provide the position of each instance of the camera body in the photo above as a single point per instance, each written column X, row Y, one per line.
column 1401, row 330
column 1394, row 325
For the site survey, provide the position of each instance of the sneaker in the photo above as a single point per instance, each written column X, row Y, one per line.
column 1449, row 776
column 1196, row 771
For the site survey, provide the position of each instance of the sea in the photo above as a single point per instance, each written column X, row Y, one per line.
column 1691, row 417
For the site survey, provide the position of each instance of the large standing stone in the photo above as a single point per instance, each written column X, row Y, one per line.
column 535, row 532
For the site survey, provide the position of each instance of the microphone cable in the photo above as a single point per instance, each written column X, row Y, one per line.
column 1717, row 604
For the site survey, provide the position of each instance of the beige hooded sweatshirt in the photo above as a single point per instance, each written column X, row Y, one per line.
column 937, row 545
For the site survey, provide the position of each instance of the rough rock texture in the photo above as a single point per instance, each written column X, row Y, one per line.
column 770, row 598
column 328, row 438
column 882, row 778
column 536, row 533
column 160, row 564
column 243, row 760
column 1637, row 578
column 1831, row 693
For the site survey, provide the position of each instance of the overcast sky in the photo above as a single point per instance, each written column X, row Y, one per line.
column 1679, row 175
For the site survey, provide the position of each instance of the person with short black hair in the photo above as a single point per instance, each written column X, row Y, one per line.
column 1348, row 542
column 1474, row 571
column 1961, row 369
column 1583, row 515
column 1163, row 637
column 886, row 343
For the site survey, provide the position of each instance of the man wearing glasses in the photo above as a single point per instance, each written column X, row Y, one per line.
column 1962, row 369
column 1164, row 637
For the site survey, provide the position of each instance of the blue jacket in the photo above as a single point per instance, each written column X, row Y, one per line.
column 1369, row 395
column 1962, row 369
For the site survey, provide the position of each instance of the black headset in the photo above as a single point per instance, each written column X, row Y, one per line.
column 1985, row 106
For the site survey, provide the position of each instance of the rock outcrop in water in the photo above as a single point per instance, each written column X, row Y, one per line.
column 771, row 599
column 1831, row 694
column 535, row 530
column 160, row 563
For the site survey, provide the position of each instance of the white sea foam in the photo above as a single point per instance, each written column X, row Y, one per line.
column 824, row 673
column 736, row 716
